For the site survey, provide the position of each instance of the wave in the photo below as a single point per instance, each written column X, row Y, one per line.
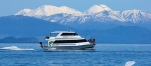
column 130, row 63
column 15, row 48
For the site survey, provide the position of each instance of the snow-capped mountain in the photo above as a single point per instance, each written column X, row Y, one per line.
column 24, row 12
column 102, row 13
column 136, row 16
column 97, row 8
column 48, row 10
column 96, row 13
column 61, row 18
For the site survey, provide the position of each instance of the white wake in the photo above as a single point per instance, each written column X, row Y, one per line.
column 130, row 63
column 15, row 48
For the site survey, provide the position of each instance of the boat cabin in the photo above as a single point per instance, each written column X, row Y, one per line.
column 63, row 35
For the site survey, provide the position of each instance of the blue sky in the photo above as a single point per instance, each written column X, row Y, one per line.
column 10, row 7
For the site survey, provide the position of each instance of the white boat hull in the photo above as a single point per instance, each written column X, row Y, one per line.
column 79, row 47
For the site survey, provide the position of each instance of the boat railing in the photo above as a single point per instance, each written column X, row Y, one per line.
column 91, row 40
column 47, row 37
column 42, row 45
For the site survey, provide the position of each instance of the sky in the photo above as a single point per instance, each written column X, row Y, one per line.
column 10, row 7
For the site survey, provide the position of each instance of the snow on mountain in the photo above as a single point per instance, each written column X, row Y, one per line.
column 23, row 12
column 136, row 16
column 103, row 13
column 97, row 8
column 62, row 18
column 96, row 13
column 48, row 10
column 106, row 16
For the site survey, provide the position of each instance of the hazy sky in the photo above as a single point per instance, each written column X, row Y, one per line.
column 10, row 7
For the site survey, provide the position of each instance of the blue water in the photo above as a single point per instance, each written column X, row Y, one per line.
column 29, row 54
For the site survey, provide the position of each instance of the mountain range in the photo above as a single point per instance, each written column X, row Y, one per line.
column 99, row 21
column 96, row 13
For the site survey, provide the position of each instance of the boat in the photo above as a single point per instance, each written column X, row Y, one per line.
column 67, row 40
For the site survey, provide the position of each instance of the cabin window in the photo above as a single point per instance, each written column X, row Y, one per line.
column 54, row 34
column 68, row 34
column 70, row 41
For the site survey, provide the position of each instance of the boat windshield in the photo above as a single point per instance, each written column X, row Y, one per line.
column 54, row 34
column 69, row 34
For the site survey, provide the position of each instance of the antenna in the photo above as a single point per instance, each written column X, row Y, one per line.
column 67, row 28
column 85, row 36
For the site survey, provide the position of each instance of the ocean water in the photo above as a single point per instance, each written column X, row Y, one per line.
column 30, row 54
